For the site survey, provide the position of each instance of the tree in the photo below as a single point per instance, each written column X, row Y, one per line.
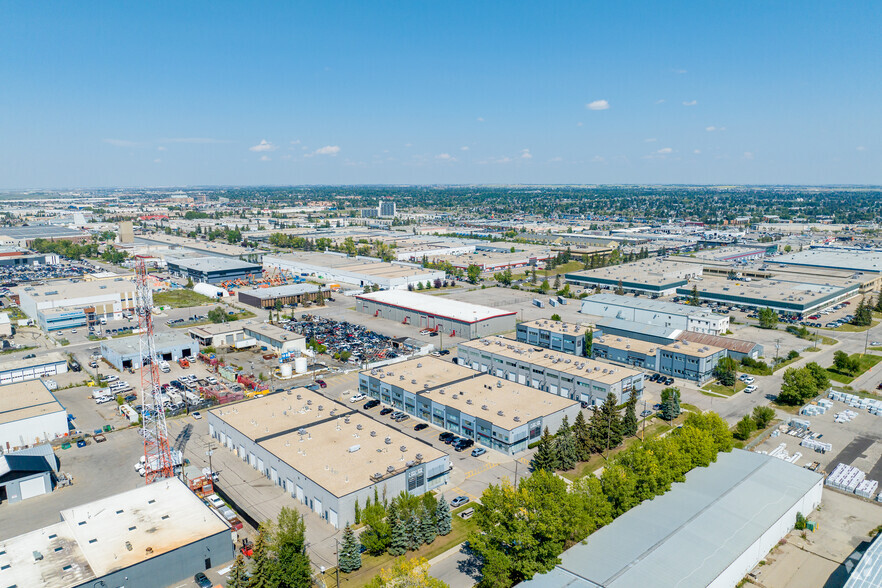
column 619, row 487
column 555, row 317
column 582, row 437
column 878, row 307
column 428, row 527
column 819, row 374
column 189, row 283
column 565, row 447
column 713, row 424
column 357, row 513
column 863, row 316
column 629, row 422
column 292, row 568
column 544, row 287
column 798, row 386
column 725, row 371
column 670, row 403
column 589, row 343
column 545, row 458
column 842, row 362
column 620, row 289
column 413, row 532
column 398, row 533
column 377, row 533
column 238, row 576
column 217, row 315
column 697, row 445
column 443, row 518
column 473, row 272
column 406, row 573
column 744, row 428
column 694, row 300
column 557, row 282
column 768, row 318
column 533, row 278
column 261, row 563
column 350, row 554
column 606, row 425
column 762, row 416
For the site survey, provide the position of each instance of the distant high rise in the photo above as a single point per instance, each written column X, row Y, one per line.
column 386, row 208
column 126, row 234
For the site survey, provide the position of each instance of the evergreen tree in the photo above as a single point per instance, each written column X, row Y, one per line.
column 291, row 567
column 582, row 437
column 879, row 303
column 589, row 343
column 428, row 528
column 629, row 423
column 357, row 512
column 693, row 299
column 557, row 282
column 606, row 425
column 670, row 401
column 261, row 563
column 350, row 554
column 620, row 288
column 413, row 532
column 238, row 577
column 544, row 458
column 443, row 518
column 398, row 542
column 863, row 316
column 565, row 447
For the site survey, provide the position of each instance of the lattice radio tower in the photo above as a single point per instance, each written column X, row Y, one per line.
column 157, row 453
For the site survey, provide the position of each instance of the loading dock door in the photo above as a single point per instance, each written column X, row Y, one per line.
column 289, row 486
column 332, row 517
column 31, row 488
column 260, row 465
column 318, row 506
column 167, row 356
column 252, row 460
column 274, row 475
column 299, row 493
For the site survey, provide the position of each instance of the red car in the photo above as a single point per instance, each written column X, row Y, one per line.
column 321, row 383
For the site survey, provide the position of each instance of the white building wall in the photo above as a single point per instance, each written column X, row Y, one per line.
column 758, row 551
column 33, row 430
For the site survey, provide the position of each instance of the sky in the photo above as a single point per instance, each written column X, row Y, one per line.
column 143, row 94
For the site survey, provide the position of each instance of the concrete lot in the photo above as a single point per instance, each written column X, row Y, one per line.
column 855, row 443
column 522, row 303
column 843, row 526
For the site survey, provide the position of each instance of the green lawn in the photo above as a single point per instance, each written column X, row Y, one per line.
column 875, row 348
column 853, row 329
column 785, row 363
column 754, row 371
column 866, row 362
column 724, row 390
column 181, row 298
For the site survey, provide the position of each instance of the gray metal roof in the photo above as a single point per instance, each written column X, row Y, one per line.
column 868, row 572
column 281, row 291
column 162, row 339
column 640, row 330
column 649, row 304
column 213, row 264
column 691, row 534
column 40, row 232
column 848, row 258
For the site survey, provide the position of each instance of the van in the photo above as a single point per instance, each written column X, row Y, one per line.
column 164, row 367
column 102, row 320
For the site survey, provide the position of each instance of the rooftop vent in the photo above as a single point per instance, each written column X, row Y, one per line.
column 418, row 457
column 354, row 448
column 517, row 419
column 390, row 469
column 499, row 413
column 373, row 433
column 484, row 407
column 388, row 440
column 403, row 448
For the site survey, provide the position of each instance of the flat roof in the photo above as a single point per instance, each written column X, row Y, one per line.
column 627, row 344
column 282, row 291
column 774, row 289
column 574, row 365
column 440, row 306
column 24, row 400
column 213, row 329
column 675, row 540
column 653, row 305
column 323, row 452
column 370, row 266
column 692, row 349
column 274, row 332
column 162, row 339
column 66, row 289
column 504, row 403
column 420, row 374
column 40, row 232
column 93, row 540
column 635, row 327
column 848, row 258
column 561, row 327
column 212, row 264
column 868, row 571
column 51, row 358
column 655, row 271
column 736, row 345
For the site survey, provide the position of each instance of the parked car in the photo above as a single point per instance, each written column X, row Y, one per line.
column 196, row 415
column 357, row 398
column 646, row 413
column 420, row 427
column 313, row 387
column 215, row 501
column 32, row 356
column 322, row 383
column 386, row 411
column 371, row 404
column 445, row 436
column 444, row 352
column 202, row 580
column 750, row 389
column 401, row 417
column 478, row 451
column 459, row 501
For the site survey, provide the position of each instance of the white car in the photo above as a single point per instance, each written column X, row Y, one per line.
column 111, row 378
column 51, row 384
column 215, row 501
column 196, row 415
column 211, row 380
column 357, row 398
column 750, row 389
column 103, row 399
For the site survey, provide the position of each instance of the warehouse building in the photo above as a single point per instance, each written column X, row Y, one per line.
column 709, row 531
column 277, row 339
column 325, row 454
column 156, row 535
column 681, row 359
column 451, row 317
column 213, row 270
column 358, row 271
column 785, row 296
column 21, row 370
column 652, row 333
column 27, row 473
column 287, row 295
column 569, row 376
column 25, row 236
column 737, row 349
column 170, row 346
column 30, row 414
column 68, row 304
column 221, row 335
column 868, row 571
column 655, row 312
column 554, row 335
column 5, row 325
column 497, row 414
column 14, row 257
column 654, row 277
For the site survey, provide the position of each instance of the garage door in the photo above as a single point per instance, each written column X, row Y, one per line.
column 260, row 465
column 252, row 460
column 299, row 493
column 31, row 488
column 522, row 379
column 512, row 377
column 332, row 517
column 289, row 486
column 274, row 475
column 317, row 506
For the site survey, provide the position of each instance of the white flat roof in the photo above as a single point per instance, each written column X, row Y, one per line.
column 440, row 306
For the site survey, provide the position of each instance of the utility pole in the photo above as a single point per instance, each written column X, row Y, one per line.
column 643, row 431
column 337, row 571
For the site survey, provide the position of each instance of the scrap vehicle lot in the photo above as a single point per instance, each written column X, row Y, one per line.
column 361, row 343
column 13, row 275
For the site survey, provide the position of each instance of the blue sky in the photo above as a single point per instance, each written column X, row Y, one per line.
column 219, row 93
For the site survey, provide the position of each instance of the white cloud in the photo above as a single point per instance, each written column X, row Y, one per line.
column 195, row 140
column 122, row 143
column 679, row 71
column 861, row 148
column 264, row 158
column 503, row 160
column 710, row 129
column 264, row 145
column 555, row 159
column 464, row 148
column 748, row 155
column 598, row 159
column 445, row 157
column 161, row 148
column 690, row 103
column 157, row 161
column 525, row 154
column 661, row 101
column 328, row 150
column 579, row 124
column 295, row 142
column 597, row 105
column 696, row 151
column 480, row 119
column 665, row 151
column 650, row 140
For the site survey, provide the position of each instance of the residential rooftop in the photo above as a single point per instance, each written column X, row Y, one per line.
column 440, row 306
column 24, row 400
column 560, row 327
column 332, row 444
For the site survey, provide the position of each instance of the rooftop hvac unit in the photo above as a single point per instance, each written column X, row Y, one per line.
column 468, row 401
column 388, row 440
column 455, row 396
column 499, row 413
column 381, row 376
column 390, row 373
column 413, row 381
column 410, row 464
column 484, row 407
column 373, row 433
column 390, row 469
column 309, row 403
column 299, row 397
column 403, row 448
column 377, row 475
column 425, row 386
column 301, row 432
column 358, row 427
column 354, row 448
column 419, row 365
column 401, row 377
column 498, row 383
column 517, row 419
column 441, row 391
column 345, row 420
column 321, row 408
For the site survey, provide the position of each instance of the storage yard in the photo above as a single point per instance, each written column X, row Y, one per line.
column 362, row 344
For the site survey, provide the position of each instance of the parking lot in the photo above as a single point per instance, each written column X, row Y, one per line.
column 360, row 344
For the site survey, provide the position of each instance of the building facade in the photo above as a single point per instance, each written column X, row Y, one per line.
column 21, row 370
column 277, row 339
column 681, row 359
column 66, row 304
column 213, row 270
column 554, row 335
column 655, row 312
column 30, row 414
column 286, row 295
column 170, row 346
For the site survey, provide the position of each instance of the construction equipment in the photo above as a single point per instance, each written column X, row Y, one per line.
column 157, row 451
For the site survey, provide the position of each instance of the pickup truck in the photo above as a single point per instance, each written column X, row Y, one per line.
column 99, row 438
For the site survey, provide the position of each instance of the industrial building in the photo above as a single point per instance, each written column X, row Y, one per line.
column 681, row 359
column 286, row 295
column 5, row 325
column 709, row 531
column 222, row 335
column 325, row 454
column 451, row 317
column 21, row 370
column 170, row 346
column 554, row 335
column 27, row 473
column 853, row 259
column 30, row 414
column 654, row 277
column 737, row 349
column 15, row 257
column 499, row 414
column 277, row 339
column 68, row 304
column 24, row 236
column 212, row 270
column 785, row 296
column 632, row 330
column 156, row 535
column 358, row 271
column 868, row 571
column 655, row 312
column 570, row 376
